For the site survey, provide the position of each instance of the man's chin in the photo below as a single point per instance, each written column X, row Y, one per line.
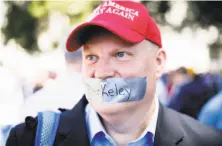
column 113, row 108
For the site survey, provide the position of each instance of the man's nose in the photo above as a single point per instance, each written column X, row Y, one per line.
column 104, row 70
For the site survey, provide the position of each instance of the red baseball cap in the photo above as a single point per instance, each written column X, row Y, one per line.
column 129, row 20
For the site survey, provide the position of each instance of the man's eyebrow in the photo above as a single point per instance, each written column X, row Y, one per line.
column 87, row 49
column 122, row 49
column 86, row 46
column 127, row 48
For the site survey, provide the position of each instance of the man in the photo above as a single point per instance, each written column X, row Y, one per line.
column 122, row 59
column 192, row 96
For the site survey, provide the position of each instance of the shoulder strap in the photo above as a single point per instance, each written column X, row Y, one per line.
column 48, row 122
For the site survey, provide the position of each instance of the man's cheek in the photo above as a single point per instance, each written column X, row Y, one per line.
column 87, row 71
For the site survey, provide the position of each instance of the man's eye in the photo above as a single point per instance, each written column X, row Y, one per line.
column 120, row 54
column 123, row 56
column 91, row 57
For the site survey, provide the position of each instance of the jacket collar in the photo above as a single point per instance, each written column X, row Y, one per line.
column 73, row 127
column 169, row 131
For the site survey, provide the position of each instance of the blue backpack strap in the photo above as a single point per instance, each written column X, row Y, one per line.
column 48, row 122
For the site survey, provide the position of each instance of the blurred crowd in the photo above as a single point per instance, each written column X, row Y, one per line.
column 196, row 95
column 50, row 90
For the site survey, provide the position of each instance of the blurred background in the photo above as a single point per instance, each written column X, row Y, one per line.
column 32, row 54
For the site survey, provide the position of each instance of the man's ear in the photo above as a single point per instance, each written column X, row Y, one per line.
column 160, row 62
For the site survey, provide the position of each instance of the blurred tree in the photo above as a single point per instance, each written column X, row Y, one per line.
column 21, row 26
column 203, row 13
column 24, row 18
column 208, row 13
column 199, row 14
column 157, row 9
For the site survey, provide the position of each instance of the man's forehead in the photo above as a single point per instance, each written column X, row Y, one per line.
column 143, row 47
column 106, row 39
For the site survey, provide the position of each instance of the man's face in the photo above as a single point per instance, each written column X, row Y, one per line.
column 108, row 56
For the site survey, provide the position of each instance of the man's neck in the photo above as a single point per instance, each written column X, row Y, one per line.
column 129, row 127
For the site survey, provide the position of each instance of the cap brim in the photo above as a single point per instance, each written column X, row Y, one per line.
column 73, row 42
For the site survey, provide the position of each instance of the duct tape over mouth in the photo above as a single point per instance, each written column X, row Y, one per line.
column 115, row 90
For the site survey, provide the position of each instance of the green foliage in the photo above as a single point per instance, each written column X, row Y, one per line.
column 38, row 9
column 76, row 10
column 25, row 17
column 21, row 26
